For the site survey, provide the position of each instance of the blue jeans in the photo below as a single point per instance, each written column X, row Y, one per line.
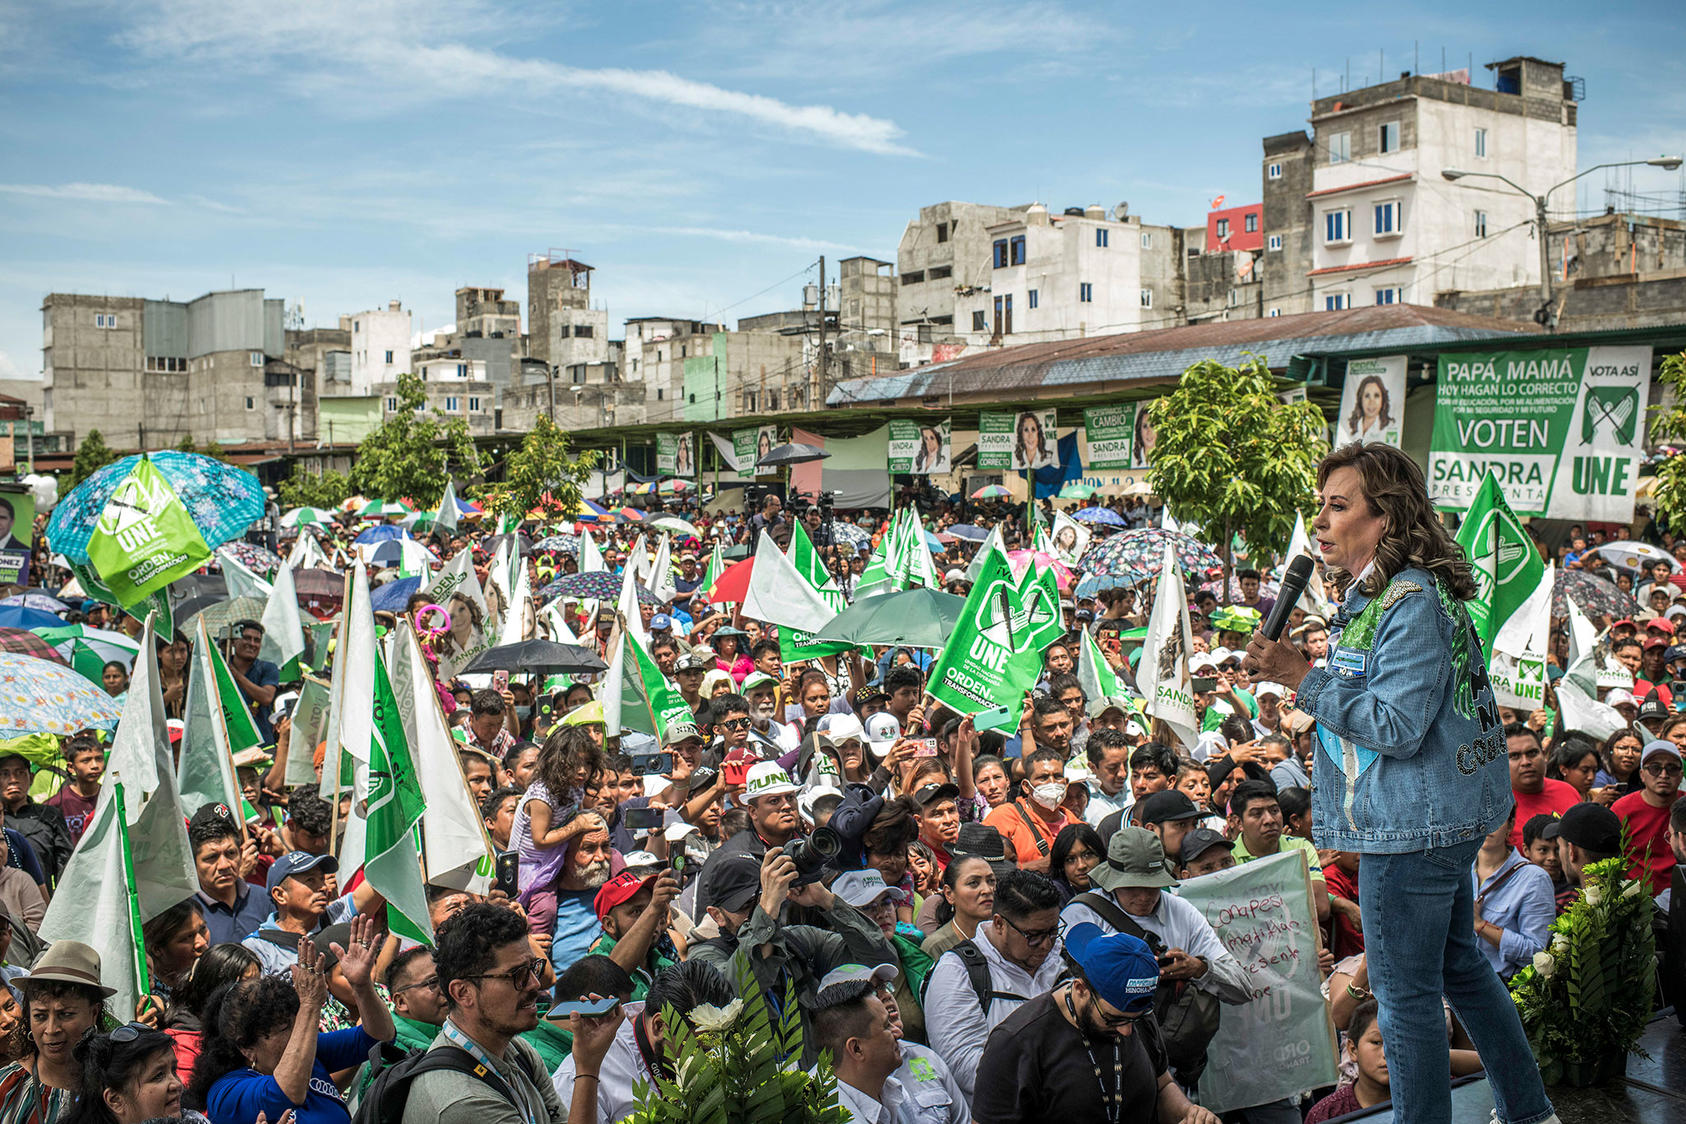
column 1419, row 939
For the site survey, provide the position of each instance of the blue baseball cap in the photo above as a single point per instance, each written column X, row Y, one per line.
column 1118, row 967
column 661, row 622
column 298, row 862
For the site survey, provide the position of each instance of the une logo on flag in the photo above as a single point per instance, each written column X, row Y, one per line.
column 128, row 514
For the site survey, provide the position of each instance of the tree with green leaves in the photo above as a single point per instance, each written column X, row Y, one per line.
column 540, row 475
column 92, row 455
column 314, row 489
column 1232, row 456
column 411, row 454
column 1668, row 426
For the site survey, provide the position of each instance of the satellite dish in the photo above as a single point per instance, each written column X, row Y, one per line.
column 1119, row 212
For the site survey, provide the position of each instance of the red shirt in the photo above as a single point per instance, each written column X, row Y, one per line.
column 1556, row 798
column 1346, row 940
column 1648, row 849
column 76, row 808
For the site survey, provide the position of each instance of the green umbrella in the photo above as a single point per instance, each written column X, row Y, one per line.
column 1077, row 491
column 911, row 618
column 88, row 650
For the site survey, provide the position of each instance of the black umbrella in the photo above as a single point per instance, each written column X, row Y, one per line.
column 793, row 453
column 523, row 544
column 537, row 655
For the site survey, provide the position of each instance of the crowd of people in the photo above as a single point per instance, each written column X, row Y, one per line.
column 978, row 924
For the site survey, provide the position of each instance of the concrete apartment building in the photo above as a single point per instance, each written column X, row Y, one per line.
column 1286, row 174
column 147, row 373
column 944, row 251
column 380, row 347
column 1387, row 228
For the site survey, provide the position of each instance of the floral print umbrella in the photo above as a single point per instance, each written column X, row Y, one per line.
column 40, row 697
column 1596, row 596
column 222, row 500
column 1142, row 551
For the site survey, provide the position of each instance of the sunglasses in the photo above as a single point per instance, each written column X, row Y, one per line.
column 1115, row 1021
column 1665, row 770
column 1035, row 936
column 431, row 983
column 734, row 724
column 128, row 1032
column 517, row 976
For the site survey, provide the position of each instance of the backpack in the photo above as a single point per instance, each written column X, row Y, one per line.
column 384, row 1100
column 1187, row 1016
column 977, row 974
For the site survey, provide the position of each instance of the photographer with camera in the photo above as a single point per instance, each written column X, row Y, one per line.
column 770, row 796
column 748, row 906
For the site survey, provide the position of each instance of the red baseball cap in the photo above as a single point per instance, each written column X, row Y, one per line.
column 1654, row 642
column 1661, row 624
column 619, row 890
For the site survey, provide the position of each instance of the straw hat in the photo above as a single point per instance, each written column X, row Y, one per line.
column 70, row 962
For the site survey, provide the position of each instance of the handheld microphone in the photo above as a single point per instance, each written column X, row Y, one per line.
column 1293, row 588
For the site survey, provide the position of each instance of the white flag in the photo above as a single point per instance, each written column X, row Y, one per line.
column 445, row 518
column 456, row 849
column 241, row 582
column 993, row 542
column 1163, row 673
column 351, row 709
column 1582, row 633
column 516, row 613
column 1518, row 668
column 661, row 572
column 556, row 622
column 283, row 632
column 591, row 559
column 96, row 901
column 1314, row 601
column 627, row 605
column 778, row 592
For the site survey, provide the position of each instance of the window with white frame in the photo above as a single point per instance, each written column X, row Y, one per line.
column 1337, row 227
column 1335, row 302
column 389, row 357
column 1389, row 139
column 1274, row 171
column 462, row 370
column 1100, row 239
column 1147, row 298
column 392, row 405
column 1481, row 143
column 1340, row 148
column 1223, row 229
column 1481, row 224
column 1388, row 216
column 473, row 404
column 1085, row 292
column 1390, row 295
column 105, row 320
column 1147, row 240
column 1274, row 242
column 452, row 403
column 255, row 358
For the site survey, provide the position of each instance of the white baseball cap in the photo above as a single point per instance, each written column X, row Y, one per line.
column 1203, row 661
column 1260, row 690
column 882, row 730
column 841, row 727
column 863, row 887
column 767, row 778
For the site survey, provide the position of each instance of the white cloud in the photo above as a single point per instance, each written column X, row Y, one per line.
column 10, row 370
column 85, row 193
column 330, row 50
column 751, row 237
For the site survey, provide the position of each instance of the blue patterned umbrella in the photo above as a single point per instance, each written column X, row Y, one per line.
column 847, row 534
column 561, row 544
column 383, row 532
column 1100, row 516
column 37, row 601
column 598, row 585
column 1142, row 551
column 222, row 500
column 40, row 697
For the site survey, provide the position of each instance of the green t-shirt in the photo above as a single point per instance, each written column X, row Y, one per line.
column 1286, row 843
column 1222, row 708
column 642, row 975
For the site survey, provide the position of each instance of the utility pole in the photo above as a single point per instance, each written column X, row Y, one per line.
column 821, row 388
column 550, row 383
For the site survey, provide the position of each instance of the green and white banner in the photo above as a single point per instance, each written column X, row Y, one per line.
column 144, row 538
column 1562, row 429
column 995, row 440
column 995, row 652
column 1507, row 567
column 1110, row 431
column 919, row 448
column 676, row 455
column 1281, row 1043
column 750, row 445
column 1028, row 439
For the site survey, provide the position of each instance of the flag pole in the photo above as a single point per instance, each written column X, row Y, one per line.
column 143, row 979
column 339, row 653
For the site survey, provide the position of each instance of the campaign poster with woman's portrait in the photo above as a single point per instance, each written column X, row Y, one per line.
column 1372, row 402
column 1035, row 440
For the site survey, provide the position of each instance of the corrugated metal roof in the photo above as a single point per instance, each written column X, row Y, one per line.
column 1161, row 355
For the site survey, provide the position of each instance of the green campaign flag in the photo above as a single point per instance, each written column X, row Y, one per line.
column 878, row 575
column 716, row 567
column 995, row 652
column 205, row 773
column 1094, row 674
column 391, row 862
column 144, row 538
column 795, row 644
column 1507, row 567
column 636, row 695
column 157, row 603
column 236, row 715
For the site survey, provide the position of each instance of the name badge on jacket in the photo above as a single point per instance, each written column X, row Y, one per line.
column 1349, row 663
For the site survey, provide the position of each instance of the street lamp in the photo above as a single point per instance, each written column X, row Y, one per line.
column 1667, row 163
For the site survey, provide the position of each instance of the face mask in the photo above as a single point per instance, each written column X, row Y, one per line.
column 523, row 712
column 1048, row 795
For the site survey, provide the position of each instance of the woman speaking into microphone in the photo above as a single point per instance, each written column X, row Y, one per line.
column 1411, row 774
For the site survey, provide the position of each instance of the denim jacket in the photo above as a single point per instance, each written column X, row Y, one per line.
column 1411, row 754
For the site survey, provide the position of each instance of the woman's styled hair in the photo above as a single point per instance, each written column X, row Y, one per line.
column 221, row 965
column 110, row 1065
column 235, row 1018
column 1064, row 843
column 1413, row 535
column 1356, row 418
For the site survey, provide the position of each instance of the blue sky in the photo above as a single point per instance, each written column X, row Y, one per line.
column 341, row 154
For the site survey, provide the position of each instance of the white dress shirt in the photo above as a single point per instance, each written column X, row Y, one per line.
column 959, row 1027
column 617, row 1078
column 1180, row 925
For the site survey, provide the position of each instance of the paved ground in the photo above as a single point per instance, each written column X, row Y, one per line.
column 1653, row 1092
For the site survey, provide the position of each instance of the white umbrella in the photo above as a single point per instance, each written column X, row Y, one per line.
column 1629, row 555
